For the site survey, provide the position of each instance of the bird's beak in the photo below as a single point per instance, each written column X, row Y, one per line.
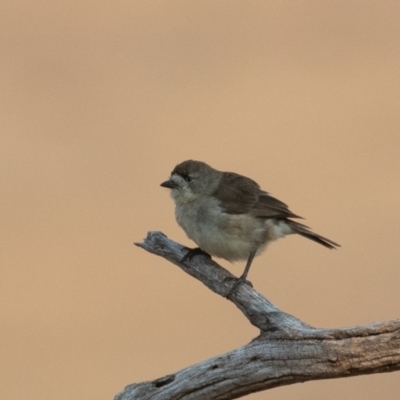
column 169, row 184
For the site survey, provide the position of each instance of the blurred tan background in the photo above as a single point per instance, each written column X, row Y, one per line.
column 98, row 102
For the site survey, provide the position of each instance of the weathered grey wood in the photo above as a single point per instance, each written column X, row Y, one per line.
column 286, row 351
column 260, row 312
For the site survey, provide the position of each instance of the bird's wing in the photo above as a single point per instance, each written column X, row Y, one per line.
column 270, row 207
column 238, row 195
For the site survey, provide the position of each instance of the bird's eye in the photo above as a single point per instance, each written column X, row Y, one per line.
column 187, row 178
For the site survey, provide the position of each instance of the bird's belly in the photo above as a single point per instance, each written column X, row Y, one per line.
column 232, row 237
column 229, row 247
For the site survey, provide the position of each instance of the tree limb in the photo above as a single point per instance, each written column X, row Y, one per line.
column 286, row 351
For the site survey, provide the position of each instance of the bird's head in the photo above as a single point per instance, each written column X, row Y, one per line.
column 190, row 180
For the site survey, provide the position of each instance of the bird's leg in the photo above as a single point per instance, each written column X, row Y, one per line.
column 193, row 252
column 243, row 277
column 248, row 264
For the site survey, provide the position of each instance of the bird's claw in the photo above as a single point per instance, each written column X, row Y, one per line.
column 238, row 282
column 193, row 252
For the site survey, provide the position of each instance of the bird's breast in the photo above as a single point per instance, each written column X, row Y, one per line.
column 197, row 218
column 227, row 236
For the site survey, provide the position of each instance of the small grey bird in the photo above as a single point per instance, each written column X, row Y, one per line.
column 228, row 216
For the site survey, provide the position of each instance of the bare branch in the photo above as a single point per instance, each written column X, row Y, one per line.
column 287, row 350
column 259, row 311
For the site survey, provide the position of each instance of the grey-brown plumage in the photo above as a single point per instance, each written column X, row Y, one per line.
column 228, row 215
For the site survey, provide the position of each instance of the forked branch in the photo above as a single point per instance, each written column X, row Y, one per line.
column 286, row 351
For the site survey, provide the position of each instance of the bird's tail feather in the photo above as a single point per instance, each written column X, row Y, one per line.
column 305, row 231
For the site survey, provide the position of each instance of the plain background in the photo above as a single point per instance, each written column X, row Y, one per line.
column 98, row 102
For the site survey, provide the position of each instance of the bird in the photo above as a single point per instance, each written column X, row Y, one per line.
column 229, row 216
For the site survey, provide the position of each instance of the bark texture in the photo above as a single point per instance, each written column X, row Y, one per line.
column 286, row 351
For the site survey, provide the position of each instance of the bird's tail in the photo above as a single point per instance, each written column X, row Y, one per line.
column 305, row 231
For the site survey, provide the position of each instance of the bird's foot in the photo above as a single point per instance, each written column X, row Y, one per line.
column 238, row 282
column 193, row 252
